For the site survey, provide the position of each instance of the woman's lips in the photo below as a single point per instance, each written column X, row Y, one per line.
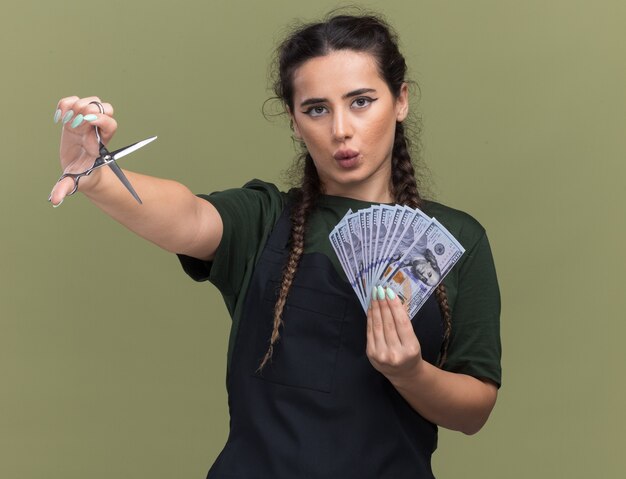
column 346, row 158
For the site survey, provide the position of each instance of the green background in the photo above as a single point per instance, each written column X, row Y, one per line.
column 112, row 361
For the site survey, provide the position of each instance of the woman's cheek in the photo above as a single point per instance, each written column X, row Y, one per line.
column 381, row 132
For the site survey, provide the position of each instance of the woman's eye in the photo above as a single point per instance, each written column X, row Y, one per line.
column 362, row 102
column 315, row 111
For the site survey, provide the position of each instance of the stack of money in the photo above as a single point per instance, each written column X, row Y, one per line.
column 395, row 247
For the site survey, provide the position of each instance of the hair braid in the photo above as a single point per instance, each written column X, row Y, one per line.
column 403, row 183
column 405, row 192
column 442, row 298
column 301, row 208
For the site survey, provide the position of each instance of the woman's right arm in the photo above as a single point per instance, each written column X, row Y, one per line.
column 171, row 216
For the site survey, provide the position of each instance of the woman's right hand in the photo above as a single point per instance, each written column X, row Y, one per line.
column 171, row 216
column 79, row 145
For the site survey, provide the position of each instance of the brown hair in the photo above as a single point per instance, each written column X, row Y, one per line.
column 362, row 33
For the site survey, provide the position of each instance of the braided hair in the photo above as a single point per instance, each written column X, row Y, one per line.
column 359, row 33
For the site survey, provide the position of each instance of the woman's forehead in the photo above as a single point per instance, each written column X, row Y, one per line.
column 336, row 74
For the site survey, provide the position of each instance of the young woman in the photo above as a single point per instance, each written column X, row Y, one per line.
column 317, row 388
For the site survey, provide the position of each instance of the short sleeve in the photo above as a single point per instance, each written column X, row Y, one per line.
column 475, row 347
column 474, row 298
column 248, row 215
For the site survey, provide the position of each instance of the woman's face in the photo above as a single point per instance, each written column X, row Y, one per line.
column 346, row 115
column 425, row 272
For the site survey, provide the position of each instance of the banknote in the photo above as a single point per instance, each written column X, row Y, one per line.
column 397, row 247
column 414, row 273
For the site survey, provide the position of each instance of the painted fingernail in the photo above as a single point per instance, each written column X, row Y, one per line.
column 68, row 116
column 374, row 293
column 381, row 293
column 90, row 117
column 77, row 121
column 59, row 204
column 390, row 294
column 57, row 115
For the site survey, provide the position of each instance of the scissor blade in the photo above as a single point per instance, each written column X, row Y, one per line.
column 120, row 174
column 129, row 149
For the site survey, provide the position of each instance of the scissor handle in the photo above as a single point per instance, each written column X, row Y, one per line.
column 99, row 163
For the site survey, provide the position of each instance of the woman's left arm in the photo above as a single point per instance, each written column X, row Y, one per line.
column 451, row 400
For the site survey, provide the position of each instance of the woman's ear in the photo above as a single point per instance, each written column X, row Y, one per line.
column 402, row 103
column 294, row 125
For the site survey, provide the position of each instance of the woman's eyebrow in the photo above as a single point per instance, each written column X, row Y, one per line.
column 360, row 91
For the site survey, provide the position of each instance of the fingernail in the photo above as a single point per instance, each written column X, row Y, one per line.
column 57, row 115
column 77, row 121
column 381, row 293
column 374, row 293
column 50, row 197
column 68, row 116
column 390, row 294
column 90, row 117
column 59, row 204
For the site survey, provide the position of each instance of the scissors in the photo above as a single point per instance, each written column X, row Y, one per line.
column 107, row 157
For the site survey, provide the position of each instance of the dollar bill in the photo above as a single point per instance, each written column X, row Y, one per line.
column 397, row 247
column 415, row 275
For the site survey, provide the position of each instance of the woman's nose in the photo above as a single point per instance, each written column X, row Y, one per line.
column 342, row 127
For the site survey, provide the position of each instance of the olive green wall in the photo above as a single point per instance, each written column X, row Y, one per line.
column 112, row 361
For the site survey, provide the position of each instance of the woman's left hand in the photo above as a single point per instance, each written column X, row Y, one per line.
column 392, row 346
